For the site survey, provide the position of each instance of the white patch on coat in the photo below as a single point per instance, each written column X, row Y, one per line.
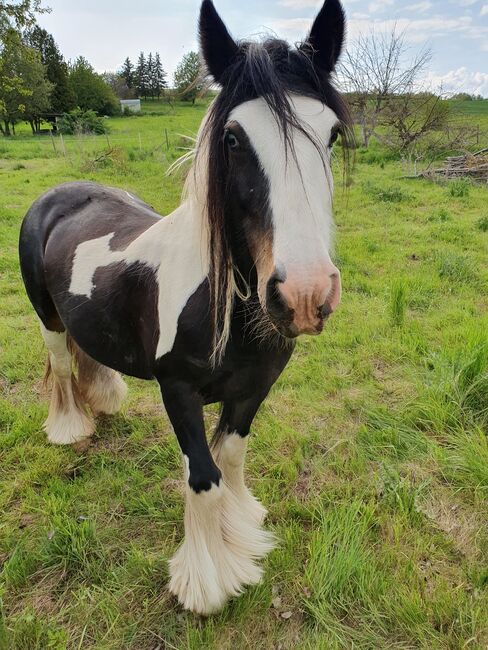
column 175, row 248
column 300, row 195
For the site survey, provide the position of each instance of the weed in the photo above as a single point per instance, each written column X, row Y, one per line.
column 392, row 194
column 459, row 188
column 455, row 267
column 482, row 224
column 398, row 303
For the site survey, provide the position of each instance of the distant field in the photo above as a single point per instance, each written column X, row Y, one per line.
column 371, row 453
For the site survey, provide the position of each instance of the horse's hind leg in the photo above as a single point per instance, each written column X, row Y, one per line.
column 68, row 421
column 103, row 388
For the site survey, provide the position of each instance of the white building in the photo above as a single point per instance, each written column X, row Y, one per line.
column 133, row 105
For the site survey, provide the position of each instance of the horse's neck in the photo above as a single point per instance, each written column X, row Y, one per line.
column 182, row 235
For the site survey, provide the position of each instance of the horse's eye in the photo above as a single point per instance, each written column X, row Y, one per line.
column 231, row 140
column 333, row 138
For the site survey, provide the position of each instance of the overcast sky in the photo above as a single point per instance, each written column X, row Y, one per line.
column 106, row 31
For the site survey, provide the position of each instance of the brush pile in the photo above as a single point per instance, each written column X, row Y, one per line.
column 472, row 165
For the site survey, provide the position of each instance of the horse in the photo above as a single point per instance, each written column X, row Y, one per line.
column 210, row 299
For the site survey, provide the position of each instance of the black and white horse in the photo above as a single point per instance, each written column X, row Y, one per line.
column 209, row 299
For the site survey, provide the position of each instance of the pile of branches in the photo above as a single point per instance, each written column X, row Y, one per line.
column 473, row 165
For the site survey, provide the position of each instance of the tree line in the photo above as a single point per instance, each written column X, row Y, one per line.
column 37, row 83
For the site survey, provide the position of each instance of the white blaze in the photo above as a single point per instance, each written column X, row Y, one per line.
column 300, row 195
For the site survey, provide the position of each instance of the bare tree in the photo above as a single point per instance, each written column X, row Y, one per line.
column 375, row 68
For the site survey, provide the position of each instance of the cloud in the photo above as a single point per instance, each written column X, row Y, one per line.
column 420, row 7
column 484, row 10
column 379, row 5
column 300, row 4
column 460, row 80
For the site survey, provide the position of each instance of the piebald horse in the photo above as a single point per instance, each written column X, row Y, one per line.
column 208, row 300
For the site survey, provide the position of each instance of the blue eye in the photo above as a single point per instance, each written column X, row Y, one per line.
column 231, row 140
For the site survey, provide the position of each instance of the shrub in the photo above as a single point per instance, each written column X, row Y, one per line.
column 79, row 122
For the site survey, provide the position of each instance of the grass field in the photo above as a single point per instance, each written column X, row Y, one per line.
column 371, row 452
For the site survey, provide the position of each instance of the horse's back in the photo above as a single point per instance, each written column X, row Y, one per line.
column 80, row 213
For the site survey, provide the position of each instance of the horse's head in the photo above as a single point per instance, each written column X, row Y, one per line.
column 269, row 137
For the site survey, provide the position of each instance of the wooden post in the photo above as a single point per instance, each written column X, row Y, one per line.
column 63, row 148
column 53, row 143
column 167, row 139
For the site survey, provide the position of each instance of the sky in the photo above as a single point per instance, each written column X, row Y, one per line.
column 106, row 31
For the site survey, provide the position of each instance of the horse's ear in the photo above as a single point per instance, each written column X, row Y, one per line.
column 327, row 35
column 217, row 45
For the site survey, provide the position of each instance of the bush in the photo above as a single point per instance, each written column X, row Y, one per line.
column 80, row 122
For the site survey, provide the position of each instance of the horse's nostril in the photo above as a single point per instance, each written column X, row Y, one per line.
column 325, row 311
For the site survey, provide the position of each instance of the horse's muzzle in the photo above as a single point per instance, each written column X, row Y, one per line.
column 300, row 303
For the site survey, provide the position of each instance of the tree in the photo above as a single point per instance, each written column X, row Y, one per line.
column 188, row 82
column 127, row 73
column 141, row 79
column 375, row 68
column 150, row 75
column 19, row 15
column 62, row 97
column 91, row 90
column 118, row 84
column 24, row 89
column 159, row 82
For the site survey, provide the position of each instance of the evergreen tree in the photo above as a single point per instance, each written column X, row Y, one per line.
column 150, row 75
column 127, row 73
column 141, row 76
column 62, row 97
column 160, row 82
column 187, row 77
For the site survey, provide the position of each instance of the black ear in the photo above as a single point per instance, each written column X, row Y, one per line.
column 217, row 45
column 327, row 35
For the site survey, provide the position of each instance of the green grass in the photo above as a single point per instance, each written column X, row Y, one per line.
column 371, row 452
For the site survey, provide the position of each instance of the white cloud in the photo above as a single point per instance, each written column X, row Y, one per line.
column 460, row 80
column 484, row 10
column 379, row 5
column 420, row 7
column 466, row 3
column 300, row 4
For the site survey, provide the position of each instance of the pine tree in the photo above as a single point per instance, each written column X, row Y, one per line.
column 128, row 73
column 62, row 97
column 150, row 75
column 141, row 80
column 160, row 82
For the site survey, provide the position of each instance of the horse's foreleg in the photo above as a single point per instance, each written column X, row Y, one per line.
column 229, row 446
column 68, row 421
column 218, row 556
